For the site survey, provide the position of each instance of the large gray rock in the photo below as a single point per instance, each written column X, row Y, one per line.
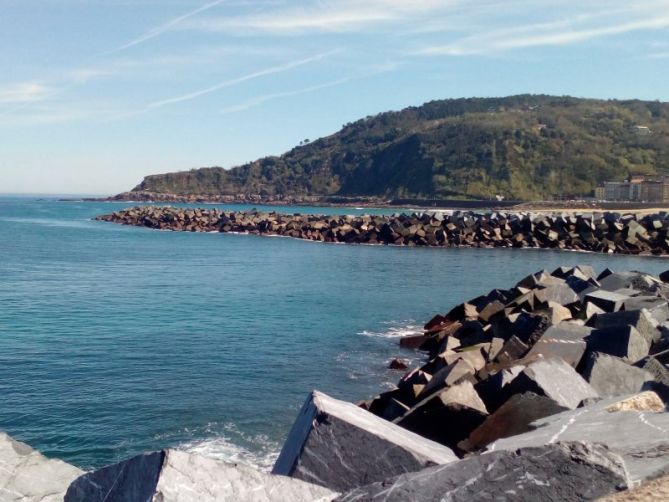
column 28, row 476
column 656, row 307
column 608, row 301
column 611, row 376
column 561, row 294
column 561, row 472
column 566, row 341
column 641, row 320
column 640, row 437
column 620, row 341
column 512, row 418
column 341, row 446
column 493, row 390
column 555, row 379
column 176, row 476
column 447, row 417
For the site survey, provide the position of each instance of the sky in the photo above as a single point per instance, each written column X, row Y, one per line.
column 96, row 94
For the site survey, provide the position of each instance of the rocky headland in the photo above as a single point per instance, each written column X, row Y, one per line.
column 604, row 232
column 554, row 389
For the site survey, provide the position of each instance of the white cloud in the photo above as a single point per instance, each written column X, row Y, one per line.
column 24, row 92
column 333, row 16
column 574, row 29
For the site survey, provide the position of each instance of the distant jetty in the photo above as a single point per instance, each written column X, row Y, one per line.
column 606, row 232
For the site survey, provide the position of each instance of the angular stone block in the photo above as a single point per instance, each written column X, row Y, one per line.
column 340, row 446
column 591, row 310
column 656, row 307
column 620, row 341
column 471, row 333
column 608, row 301
column 557, row 313
column 555, row 379
column 177, row 476
column 641, row 320
column 510, row 419
column 493, row 390
column 565, row 341
column 491, row 310
column 523, row 325
column 641, row 438
column 388, row 405
column 28, row 476
column 447, row 376
column 562, row 472
column 561, row 294
column 611, row 376
column 447, row 417
column 512, row 350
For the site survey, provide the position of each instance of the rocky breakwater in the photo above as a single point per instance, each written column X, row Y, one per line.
column 554, row 389
column 597, row 232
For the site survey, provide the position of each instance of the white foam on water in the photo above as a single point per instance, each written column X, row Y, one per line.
column 256, row 451
column 395, row 329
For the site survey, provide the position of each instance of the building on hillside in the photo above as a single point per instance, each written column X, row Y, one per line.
column 641, row 130
column 637, row 189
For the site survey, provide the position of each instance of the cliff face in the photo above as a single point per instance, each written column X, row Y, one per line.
column 522, row 147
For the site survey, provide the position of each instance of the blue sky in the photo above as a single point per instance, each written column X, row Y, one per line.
column 95, row 94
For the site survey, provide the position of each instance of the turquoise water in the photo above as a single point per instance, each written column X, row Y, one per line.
column 115, row 340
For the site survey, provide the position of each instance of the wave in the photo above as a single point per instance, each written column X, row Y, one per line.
column 256, row 451
column 395, row 329
column 49, row 222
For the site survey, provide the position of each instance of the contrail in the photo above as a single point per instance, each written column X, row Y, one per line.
column 239, row 80
column 268, row 97
column 159, row 30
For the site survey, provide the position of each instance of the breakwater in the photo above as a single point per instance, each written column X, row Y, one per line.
column 561, row 380
column 596, row 232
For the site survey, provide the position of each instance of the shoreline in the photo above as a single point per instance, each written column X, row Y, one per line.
column 538, row 207
column 608, row 233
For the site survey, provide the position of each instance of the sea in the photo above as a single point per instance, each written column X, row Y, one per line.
column 117, row 340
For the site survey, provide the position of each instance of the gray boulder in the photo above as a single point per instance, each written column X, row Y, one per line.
column 638, row 433
column 608, row 301
column 555, row 379
column 620, row 341
column 176, row 476
column 611, row 376
column 641, row 320
column 566, row 341
column 28, row 476
column 656, row 307
column 565, row 471
column 512, row 418
column 447, row 417
column 341, row 446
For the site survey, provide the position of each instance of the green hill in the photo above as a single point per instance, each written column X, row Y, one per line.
column 522, row 147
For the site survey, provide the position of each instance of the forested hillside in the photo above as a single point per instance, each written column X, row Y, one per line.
column 521, row 147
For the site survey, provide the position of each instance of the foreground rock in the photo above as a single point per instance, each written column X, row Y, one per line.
column 599, row 232
column 631, row 427
column 565, row 471
column 28, row 476
column 176, row 476
column 553, row 341
column 341, row 446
